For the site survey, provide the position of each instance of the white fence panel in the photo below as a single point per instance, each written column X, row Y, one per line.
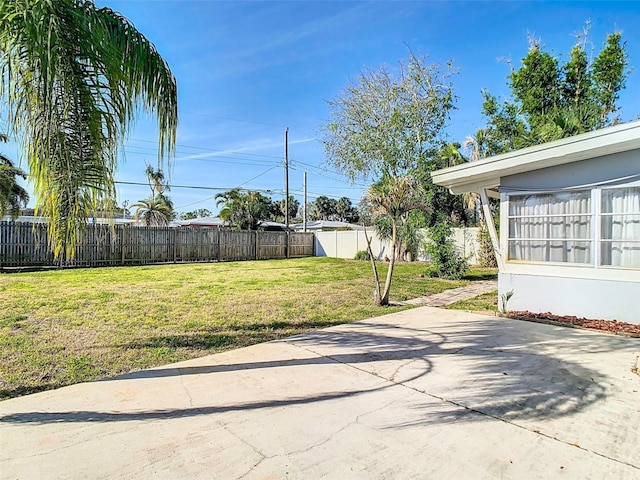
column 346, row 243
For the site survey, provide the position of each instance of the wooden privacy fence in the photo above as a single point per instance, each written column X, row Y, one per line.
column 26, row 244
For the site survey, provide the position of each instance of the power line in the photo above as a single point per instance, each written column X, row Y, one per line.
column 324, row 169
column 258, row 176
column 207, row 149
column 232, row 162
column 195, row 203
column 195, row 187
column 337, row 187
column 214, row 151
column 234, row 119
column 213, row 158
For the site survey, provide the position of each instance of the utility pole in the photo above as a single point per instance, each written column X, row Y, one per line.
column 304, row 202
column 286, row 187
column 286, row 178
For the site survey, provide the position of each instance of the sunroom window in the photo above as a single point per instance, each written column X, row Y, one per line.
column 551, row 227
column 620, row 227
column 600, row 227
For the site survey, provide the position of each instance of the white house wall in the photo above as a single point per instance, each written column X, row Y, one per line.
column 346, row 243
column 565, row 289
column 581, row 297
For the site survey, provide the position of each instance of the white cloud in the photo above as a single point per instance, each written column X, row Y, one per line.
column 254, row 146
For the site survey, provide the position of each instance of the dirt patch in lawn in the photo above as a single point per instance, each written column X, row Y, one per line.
column 608, row 326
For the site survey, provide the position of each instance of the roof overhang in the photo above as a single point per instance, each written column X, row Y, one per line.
column 486, row 173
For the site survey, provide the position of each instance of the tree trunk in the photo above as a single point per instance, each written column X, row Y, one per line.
column 376, row 293
column 392, row 261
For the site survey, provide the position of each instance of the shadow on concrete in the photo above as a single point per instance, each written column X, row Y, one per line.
column 493, row 368
column 166, row 414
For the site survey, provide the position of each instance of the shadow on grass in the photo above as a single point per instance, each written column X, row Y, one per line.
column 477, row 276
column 487, row 369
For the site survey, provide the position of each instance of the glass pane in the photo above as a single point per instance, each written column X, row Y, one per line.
column 550, row 251
column 620, row 254
column 550, row 203
column 578, row 226
column 621, row 200
column 621, row 227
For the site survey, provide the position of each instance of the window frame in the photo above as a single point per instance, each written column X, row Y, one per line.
column 595, row 240
column 600, row 240
column 589, row 240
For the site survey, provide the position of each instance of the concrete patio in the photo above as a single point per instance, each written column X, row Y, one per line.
column 424, row 393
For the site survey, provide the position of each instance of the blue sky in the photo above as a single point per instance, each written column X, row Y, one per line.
column 248, row 70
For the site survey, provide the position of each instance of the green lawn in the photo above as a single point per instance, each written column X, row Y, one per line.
column 68, row 326
column 487, row 302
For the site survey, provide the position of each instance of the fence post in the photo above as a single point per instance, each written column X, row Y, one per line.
column 219, row 234
column 175, row 245
column 286, row 249
column 256, row 245
column 123, row 242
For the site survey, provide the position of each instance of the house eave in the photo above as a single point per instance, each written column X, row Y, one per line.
column 486, row 173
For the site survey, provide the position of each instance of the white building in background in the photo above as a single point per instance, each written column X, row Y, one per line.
column 569, row 240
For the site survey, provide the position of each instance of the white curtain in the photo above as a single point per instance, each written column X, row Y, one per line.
column 620, row 245
column 550, row 227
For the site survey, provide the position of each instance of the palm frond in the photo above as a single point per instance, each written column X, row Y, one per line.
column 75, row 76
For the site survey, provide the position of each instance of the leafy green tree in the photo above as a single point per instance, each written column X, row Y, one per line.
column 198, row 213
column 446, row 260
column 278, row 209
column 438, row 200
column 74, row 76
column 388, row 121
column 13, row 197
column 536, row 84
column 609, row 72
column 244, row 210
column 323, row 208
column 388, row 126
column 552, row 100
column 345, row 211
column 486, row 255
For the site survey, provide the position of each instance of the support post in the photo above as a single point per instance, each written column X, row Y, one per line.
column 484, row 198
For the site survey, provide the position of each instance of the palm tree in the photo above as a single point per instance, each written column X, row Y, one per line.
column 231, row 203
column 153, row 212
column 75, row 76
column 392, row 198
column 12, row 195
column 325, row 208
column 156, row 179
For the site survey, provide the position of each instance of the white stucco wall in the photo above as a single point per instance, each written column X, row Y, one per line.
column 581, row 297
